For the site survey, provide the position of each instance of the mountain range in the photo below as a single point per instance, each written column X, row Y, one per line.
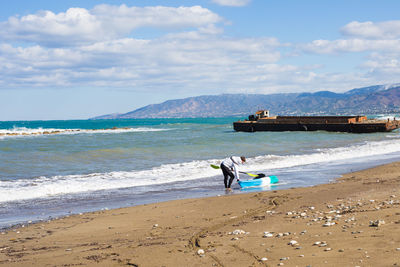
column 367, row 100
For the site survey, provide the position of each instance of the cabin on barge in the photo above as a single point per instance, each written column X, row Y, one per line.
column 261, row 121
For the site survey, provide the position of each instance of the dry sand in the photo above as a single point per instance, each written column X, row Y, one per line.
column 273, row 228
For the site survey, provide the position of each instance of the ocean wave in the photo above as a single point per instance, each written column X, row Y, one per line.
column 22, row 131
column 387, row 116
column 42, row 187
column 367, row 149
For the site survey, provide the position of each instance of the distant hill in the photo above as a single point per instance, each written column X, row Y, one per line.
column 366, row 100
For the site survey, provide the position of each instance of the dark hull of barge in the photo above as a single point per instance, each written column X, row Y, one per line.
column 331, row 124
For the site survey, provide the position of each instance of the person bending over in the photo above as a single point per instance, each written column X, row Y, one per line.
column 230, row 169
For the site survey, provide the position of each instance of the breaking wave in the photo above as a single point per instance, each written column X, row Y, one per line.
column 22, row 131
column 42, row 187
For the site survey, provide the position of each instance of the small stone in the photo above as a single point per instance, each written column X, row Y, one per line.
column 238, row 232
column 398, row 249
column 341, row 250
column 376, row 223
column 301, row 256
column 264, row 259
column 200, row 252
column 327, row 249
column 268, row 234
column 155, row 225
column 293, row 242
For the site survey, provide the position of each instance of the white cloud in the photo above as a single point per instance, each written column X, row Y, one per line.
column 371, row 30
column 79, row 26
column 236, row 3
column 96, row 48
column 350, row 45
column 361, row 37
column 183, row 61
column 378, row 41
column 383, row 66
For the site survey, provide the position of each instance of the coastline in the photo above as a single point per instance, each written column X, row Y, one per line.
column 327, row 224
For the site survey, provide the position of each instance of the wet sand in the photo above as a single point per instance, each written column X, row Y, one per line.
column 354, row 221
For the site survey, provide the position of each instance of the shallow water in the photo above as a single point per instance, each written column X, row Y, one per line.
column 151, row 160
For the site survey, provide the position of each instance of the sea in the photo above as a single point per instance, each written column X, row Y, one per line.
column 50, row 169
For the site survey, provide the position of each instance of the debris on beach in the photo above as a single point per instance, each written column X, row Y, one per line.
column 268, row 234
column 237, row 232
column 376, row 223
column 200, row 252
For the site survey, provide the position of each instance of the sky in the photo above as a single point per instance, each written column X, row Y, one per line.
column 76, row 59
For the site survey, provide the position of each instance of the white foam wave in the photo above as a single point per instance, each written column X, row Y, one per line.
column 328, row 155
column 387, row 117
column 22, row 131
column 56, row 185
column 42, row 187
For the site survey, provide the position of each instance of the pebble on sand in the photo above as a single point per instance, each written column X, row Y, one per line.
column 268, row 234
column 376, row 223
column 238, row 232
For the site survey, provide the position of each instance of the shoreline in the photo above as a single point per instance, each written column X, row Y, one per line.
column 264, row 228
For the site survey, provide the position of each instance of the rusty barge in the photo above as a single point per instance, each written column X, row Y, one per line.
column 261, row 121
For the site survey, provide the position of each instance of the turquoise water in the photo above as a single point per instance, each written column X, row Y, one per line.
column 87, row 165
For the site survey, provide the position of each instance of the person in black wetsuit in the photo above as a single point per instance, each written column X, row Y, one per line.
column 230, row 170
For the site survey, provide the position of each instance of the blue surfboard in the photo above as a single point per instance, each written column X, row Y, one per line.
column 268, row 180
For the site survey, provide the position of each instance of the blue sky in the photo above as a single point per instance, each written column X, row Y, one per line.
column 79, row 59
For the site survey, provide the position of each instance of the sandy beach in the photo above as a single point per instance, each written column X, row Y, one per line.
column 353, row 221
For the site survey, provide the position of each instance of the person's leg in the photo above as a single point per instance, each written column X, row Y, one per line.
column 227, row 173
column 230, row 180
